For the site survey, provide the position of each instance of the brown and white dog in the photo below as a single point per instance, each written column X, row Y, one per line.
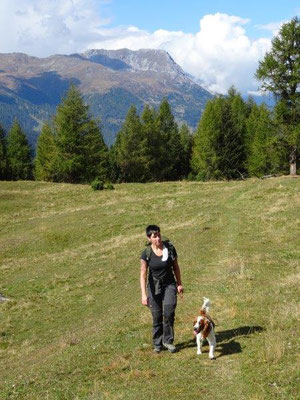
column 204, row 329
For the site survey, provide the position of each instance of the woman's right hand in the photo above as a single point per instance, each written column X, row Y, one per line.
column 145, row 300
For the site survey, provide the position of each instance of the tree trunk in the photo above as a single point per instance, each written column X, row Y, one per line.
column 293, row 161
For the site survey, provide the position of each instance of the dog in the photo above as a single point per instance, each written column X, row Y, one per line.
column 204, row 329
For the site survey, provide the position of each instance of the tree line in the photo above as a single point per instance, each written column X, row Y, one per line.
column 234, row 138
column 71, row 147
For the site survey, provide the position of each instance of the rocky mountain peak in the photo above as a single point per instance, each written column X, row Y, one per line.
column 139, row 60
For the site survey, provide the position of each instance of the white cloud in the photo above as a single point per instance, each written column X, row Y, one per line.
column 219, row 55
column 272, row 27
column 257, row 93
column 43, row 27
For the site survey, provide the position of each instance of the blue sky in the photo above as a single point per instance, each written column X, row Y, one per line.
column 219, row 42
column 185, row 15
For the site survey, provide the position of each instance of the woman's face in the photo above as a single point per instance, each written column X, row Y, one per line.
column 155, row 239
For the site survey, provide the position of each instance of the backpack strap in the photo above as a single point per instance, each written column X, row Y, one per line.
column 148, row 252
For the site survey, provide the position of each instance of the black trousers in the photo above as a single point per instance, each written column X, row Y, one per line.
column 162, row 307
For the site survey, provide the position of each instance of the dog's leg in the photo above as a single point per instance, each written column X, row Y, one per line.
column 198, row 338
column 211, row 338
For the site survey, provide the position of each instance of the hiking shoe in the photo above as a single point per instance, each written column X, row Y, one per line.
column 157, row 350
column 171, row 348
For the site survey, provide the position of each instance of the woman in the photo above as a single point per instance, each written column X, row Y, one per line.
column 159, row 262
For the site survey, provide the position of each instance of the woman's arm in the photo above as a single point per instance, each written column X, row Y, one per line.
column 177, row 273
column 143, row 279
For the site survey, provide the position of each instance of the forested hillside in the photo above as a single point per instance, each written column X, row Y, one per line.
column 110, row 81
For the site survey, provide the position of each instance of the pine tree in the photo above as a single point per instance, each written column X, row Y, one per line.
column 234, row 154
column 262, row 143
column 150, row 148
column 208, row 141
column 81, row 152
column 250, row 103
column 177, row 156
column 97, row 157
column 131, row 150
column 279, row 73
column 46, row 155
column 152, row 140
column 218, row 151
column 3, row 155
column 114, row 171
column 18, row 154
column 169, row 149
column 186, row 139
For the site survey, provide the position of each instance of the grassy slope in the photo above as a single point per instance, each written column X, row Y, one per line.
column 74, row 327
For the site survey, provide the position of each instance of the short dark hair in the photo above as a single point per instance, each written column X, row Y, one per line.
column 152, row 229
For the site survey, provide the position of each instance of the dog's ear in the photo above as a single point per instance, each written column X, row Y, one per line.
column 206, row 328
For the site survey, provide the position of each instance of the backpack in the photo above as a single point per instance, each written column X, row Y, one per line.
column 169, row 245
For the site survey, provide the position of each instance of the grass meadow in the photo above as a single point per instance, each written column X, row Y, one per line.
column 74, row 326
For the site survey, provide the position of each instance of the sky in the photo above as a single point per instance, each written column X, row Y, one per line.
column 219, row 42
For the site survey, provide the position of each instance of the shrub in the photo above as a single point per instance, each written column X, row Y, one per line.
column 109, row 186
column 97, row 184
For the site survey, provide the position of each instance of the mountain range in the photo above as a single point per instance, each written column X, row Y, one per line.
column 109, row 80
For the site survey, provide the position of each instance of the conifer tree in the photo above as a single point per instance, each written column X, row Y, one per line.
column 177, row 156
column 150, row 148
column 186, row 139
column 279, row 74
column 46, row 155
column 114, row 171
column 262, row 143
column 131, row 150
column 3, row 155
column 152, row 140
column 250, row 103
column 169, row 145
column 218, row 151
column 234, row 153
column 96, row 151
column 81, row 152
column 208, row 140
column 18, row 154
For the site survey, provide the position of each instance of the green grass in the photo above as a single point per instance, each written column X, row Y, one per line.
column 74, row 327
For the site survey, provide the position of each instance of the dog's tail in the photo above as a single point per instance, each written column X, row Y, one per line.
column 206, row 304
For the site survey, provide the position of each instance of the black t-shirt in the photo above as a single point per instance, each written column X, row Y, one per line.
column 158, row 269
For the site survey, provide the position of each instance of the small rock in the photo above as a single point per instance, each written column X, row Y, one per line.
column 2, row 298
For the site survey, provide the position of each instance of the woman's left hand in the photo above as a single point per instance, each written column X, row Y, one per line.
column 180, row 289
